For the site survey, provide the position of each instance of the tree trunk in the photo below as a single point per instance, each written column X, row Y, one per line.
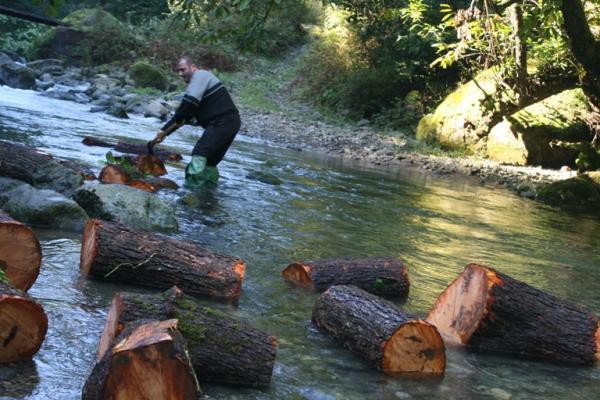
column 489, row 311
column 222, row 349
column 519, row 50
column 383, row 276
column 586, row 50
column 23, row 325
column 20, row 252
column 149, row 361
column 390, row 339
column 133, row 148
column 115, row 252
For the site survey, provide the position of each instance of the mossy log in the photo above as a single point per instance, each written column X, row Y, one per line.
column 133, row 148
column 23, row 324
column 390, row 339
column 149, row 361
column 221, row 348
column 489, row 311
column 115, row 252
column 383, row 276
column 20, row 252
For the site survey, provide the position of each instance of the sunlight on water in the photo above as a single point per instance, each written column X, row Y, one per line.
column 323, row 208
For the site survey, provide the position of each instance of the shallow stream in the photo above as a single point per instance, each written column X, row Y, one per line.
column 323, row 207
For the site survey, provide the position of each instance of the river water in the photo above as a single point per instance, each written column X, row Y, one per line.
column 323, row 207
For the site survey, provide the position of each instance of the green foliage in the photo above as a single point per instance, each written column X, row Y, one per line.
column 261, row 26
column 18, row 35
column 124, row 163
column 163, row 41
column 3, row 277
column 146, row 75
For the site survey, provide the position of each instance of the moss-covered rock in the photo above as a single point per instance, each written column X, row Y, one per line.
column 148, row 75
column 93, row 37
column 463, row 118
column 16, row 76
column 580, row 191
column 540, row 133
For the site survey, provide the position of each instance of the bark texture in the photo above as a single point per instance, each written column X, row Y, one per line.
column 490, row 311
column 115, row 252
column 133, row 148
column 20, row 252
column 221, row 348
column 23, row 325
column 383, row 276
column 149, row 361
column 390, row 339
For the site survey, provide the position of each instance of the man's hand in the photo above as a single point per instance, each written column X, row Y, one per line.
column 160, row 136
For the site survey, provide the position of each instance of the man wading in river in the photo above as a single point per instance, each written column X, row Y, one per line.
column 207, row 101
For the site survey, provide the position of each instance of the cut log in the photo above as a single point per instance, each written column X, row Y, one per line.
column 91, row 141
column 489, row 311
column 383, row 276
column 114, row 173
column 133, row 148
column 390, row 339
column 142, row 185
column 162, row 183
column 150, row 164
column 20, row 252
column 115, row 252
column 150, row 361
column 221, row 348
column 23, row 324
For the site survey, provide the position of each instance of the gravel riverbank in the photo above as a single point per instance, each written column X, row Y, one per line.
column 364, row 143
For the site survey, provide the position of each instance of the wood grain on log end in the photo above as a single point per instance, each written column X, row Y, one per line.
column 89, row 246
column 298, row 273
column 240, row 270
column 23, row 326
column 415, row 349
column 20, row 252
column 112, row 327
column 147, row 365
column 113, row 173
column 459, row 309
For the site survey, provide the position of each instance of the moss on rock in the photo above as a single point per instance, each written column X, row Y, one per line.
column 580, row 191
column 147, row 75
column 92, row 37
column 463, row 118
column 530, row 135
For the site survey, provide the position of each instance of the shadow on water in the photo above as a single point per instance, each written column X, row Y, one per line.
column 274, row 206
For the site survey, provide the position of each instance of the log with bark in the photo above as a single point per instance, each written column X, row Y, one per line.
column 133, row 148
column 390, row 339
column 383, row 276
column 36, row 167
column 149, row 361
column 23, row 324
column 20, row 252
column 486, row 310
column 115, row 252
column 221, row 348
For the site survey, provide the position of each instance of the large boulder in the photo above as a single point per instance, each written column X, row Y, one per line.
column 40, row 207
column 580, row 191
column 464, row 117
column 147, row 75
column 16, row 75
column 133, row 207
column 93, row 37
column 536, row 134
